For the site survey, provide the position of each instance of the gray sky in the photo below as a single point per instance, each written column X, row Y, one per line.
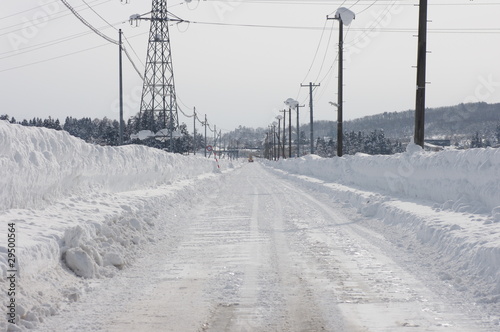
column 241, row 75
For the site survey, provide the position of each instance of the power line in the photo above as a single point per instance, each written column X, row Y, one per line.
column 132, row 62
column 369, row 6
column 43, row 45
column 133, row 50
column 102, row 18
column 51, row 17
column 256, row 25
column 27, row 10
column 326, row 52
column 88, row 24
column 330, row 2
column 54, row 58
column 378, row 19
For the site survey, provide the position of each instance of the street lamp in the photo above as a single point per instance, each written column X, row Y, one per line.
column 345, row 17
column 292, row 104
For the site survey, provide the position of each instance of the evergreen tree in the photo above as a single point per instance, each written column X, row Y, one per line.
column 475, row 141
column 497, row 133
column 321, row 148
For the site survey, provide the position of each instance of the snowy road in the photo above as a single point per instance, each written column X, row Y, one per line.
column 262, row 253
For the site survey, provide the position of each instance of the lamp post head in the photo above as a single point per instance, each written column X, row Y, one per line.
column 345, row 15
column 292, row 103
column 279, row 117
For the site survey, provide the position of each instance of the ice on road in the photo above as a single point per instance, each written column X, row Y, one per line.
column 262, row 253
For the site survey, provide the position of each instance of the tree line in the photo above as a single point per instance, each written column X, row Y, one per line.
column 486, row 126
column 106, row 132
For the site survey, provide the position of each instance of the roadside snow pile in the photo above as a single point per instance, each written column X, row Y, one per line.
column 463, row 181
column 447, row 202
column 82, row 212
column 39, row 166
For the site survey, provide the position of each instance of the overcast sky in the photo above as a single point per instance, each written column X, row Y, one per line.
column 240, row 75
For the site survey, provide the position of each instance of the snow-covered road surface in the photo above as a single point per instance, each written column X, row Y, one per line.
column 262, row 253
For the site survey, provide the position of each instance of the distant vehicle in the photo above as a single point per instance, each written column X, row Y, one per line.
column 250, row 159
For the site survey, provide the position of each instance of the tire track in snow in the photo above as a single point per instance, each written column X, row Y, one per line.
column 275, row 294
column 243, row 315
column 299, row 308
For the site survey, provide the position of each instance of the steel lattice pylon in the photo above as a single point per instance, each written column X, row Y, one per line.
column 158, row 101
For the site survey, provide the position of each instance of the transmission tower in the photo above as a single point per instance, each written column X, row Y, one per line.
column 158, row 102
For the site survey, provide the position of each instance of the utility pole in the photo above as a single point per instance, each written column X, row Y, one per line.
column 311, row 88
column 298, row 130
column 271, row 142
column 120, row 139
column 215, row 138
column 194, row 130
column 205, row 124
column 340, row 129
column 274, row 143
column 271, row 133
column 279, row 117
column 290, row 132
column 344, row 16
column 284, row 132
column 421, row 64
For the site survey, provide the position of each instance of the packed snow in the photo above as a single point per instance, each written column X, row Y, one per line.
column 85, row 213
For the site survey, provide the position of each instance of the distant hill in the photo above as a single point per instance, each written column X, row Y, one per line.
column 452, row 122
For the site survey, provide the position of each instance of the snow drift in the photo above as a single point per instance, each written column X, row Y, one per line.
column 40, row 165
column 461, row 180
column 83, row 211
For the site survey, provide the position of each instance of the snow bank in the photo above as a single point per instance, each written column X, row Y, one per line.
column 467, row 180
column 39, row 166
column 83, row 211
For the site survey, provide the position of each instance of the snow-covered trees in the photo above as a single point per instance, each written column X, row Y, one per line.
column 371, row 143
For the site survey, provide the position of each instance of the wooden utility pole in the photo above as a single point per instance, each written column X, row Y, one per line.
column 340, row 129
column 194, row 130
column 421, row 70
column 298, row 129
column 311, row 88
column 205, row 124
column 215, row 138
column 340, row 91
column 284, row 132
column 279, row 131
column 120, row 138
column 290, row 132
column 340, row 15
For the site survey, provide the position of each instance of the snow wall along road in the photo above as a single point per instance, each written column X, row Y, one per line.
column 467, row 180
column 84, row 211
column 39, row 166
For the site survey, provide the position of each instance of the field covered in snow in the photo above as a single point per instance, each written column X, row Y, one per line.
column 84, row 213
